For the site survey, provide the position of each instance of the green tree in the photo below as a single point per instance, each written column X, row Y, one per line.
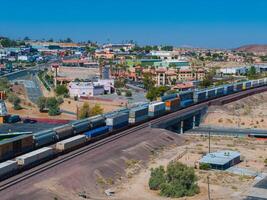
column 177, row 181
column 15, row 100
column 252, row 73
column 53, row 111
column 41, row 103
column 53, row 106
column 157, row 177
column 4, row 84
column 128, row 93
column 148, row 81
column 167, row 48
column 84, row 111
column 152, row 94
column 96, row 110
column 61, row 90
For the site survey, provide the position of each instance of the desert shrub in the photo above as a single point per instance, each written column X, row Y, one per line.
column 157, row 178
column 177, row 181
column 204, row 166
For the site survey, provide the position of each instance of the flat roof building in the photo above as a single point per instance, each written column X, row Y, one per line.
column 221, row 160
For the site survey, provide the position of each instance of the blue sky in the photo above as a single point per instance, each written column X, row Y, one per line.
column 198, row 23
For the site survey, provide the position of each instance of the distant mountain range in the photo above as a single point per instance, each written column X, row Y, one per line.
column 253, row 48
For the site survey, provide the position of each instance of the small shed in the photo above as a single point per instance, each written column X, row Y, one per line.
column 221, row 160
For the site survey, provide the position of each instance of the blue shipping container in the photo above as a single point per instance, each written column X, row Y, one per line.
column 96, row 132
column 118, row 126
column 186, row 103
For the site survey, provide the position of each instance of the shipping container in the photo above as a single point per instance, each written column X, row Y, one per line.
column 8, row 167
column 255, row 83
column 35, row 156
column 156, row 106
column 172, row 104
column 117, row 119
column 80, row 126
column 121, row 125
column 211, row 93
column 228, row 89
column 71, row 142
column 97, row 121
column 261, row 82
column 44, row 137
column 133, row 120
column 64, row 131
column 219, row 91
column 14, row 146
column 200, row 96
column 186, row 95
column 97, row 132
column 167, row 97
column 138, row 112
column 156, row 109
column 247, row 85
column 186, row 103
column 238, row 87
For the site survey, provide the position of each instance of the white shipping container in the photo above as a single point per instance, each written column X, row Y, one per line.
column 7, row 167
column 156, row 106
column 34, row 156
column 71, row 142
column 117, row 119
column 133, row 120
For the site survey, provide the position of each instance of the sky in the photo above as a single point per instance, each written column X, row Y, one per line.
column 196, row 23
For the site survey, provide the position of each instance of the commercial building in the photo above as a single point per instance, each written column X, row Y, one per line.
column 221, row 160
column 86, row 89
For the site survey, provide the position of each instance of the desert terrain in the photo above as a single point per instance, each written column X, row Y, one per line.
column 249, row 112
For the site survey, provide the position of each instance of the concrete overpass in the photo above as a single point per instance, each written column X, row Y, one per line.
column 189, row 118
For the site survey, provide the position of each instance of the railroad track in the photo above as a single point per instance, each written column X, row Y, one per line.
column 70, row 156
column 63, row 158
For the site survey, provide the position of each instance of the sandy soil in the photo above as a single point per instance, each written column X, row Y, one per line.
column 97, row 170
column 31, row 110
column 224, row 186
column 249, row 112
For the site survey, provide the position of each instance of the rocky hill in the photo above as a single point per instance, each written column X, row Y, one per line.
column 257, row 49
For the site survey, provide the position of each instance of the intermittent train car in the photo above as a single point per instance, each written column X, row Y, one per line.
column 71, row 143
column 14, row 146
column 156, row 109
column 186, row 98
column 117, row 120
column 138, row 114
column 200, row 96
column 44, row 138
column 120, row 118
column 64, row 131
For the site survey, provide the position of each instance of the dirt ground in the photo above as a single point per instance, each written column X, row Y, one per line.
column 223, row 185
column 97, row 170
column 69, row 105
column 249, row 112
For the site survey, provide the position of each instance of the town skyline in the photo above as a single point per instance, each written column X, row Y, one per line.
column 205, row 24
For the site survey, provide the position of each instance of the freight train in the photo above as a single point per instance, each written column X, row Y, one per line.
column 79, row 132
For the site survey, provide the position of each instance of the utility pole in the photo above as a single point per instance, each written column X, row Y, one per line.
column 209, row 141
column 208, row 187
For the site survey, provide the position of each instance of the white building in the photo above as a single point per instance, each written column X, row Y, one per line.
column 234, row 70
column 86, row 89
column 23, row 58
column 107, row 83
